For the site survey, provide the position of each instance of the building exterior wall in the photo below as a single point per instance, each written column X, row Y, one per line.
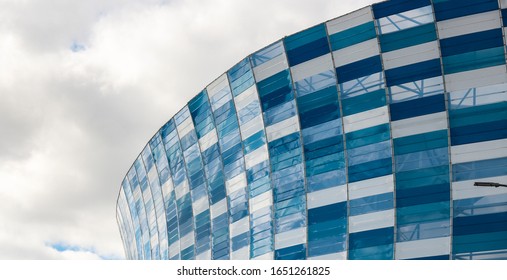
column 358, row 138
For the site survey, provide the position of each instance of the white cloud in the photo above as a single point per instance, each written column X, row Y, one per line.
column 71, row 123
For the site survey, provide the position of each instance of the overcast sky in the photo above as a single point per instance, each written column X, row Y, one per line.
column 85, row 84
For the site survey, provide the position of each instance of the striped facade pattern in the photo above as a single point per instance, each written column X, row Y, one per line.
column 358, row 138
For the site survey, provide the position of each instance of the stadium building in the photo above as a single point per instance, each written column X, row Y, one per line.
column 358, row 138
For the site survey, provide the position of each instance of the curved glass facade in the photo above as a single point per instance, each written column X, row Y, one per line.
column 358, row 138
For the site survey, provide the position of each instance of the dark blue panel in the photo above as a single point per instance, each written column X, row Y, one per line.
column 504, row 16
column 307, row 52
column 381, row 236
column 363, row 102
column 370, row 170
column 408, row 37
column 422, row 195
column 418, row 107
column 297, row 252
column 327, row 213
column 472, row 42
column 441, row 257
column 353, row 36
column 387, row 8
column 480, row 224
column 187, row 253
column 474, row 60
column 420, row 142
column 307, row 44
column 359, row 69
column 413, row 72
column 459, row 8
column 197, row 101
column 479, row 132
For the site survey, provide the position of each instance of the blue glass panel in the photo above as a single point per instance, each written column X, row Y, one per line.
column 480, row 205
column 359, row 69
column 325, row 180
column 388, row 8
column 297, row 252
column 240, row 241
column 187, row 253
column 472, row 42
column 478, row 114
column 422, row 177
column 479, row 132
column 353, row 36
column 370, row 170
column 422, row 195
column 423, row 230
column 364, row 102
column 434, row 258
column 306, row 45
column 479, row 169
column 423, row 213
column 504, row 17
column 381, row 236
column 408, row 37
column 422, row 159
column 480, row 242
column 371, row 204
column 413, row 72
column 275, row 90
column 420, row 142
column 495, row 222
column 417, row 107
column 327, row 213
column 448, row 9
column 382, row 252
column 369, row 153
column 474, row 60
column 368, row 136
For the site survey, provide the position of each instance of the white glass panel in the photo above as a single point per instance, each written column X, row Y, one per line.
column 371, row 221
column 267, row 256
column 185, row 127
column 240, row 227
column 187, row 240
column 466, row 189
column 356, row 52
column 423, row 248
column 218, row 208
column 246, row 98
column 270, row 68
column 312, row 67
column 366, row 119
column 371, row 187
column 476, row 78
column 479, row 151
column 182, row 189
column 200, row 205
column 208, row 140
column 282, row 128
column 251, row 127
column 236, row 183
column 411, row 55
column 241, row 254
column 478, row 96
column 327, row 196
column 349, row 20
column 204, row 256
column 468, row 24
column 261, row 201
column 408, row 19
column 217, row 86
column 417, row 89
column 290, row 238
column 418, row 125
column 256, row 157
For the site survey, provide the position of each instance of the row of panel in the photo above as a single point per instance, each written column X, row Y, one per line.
column 337, row 142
